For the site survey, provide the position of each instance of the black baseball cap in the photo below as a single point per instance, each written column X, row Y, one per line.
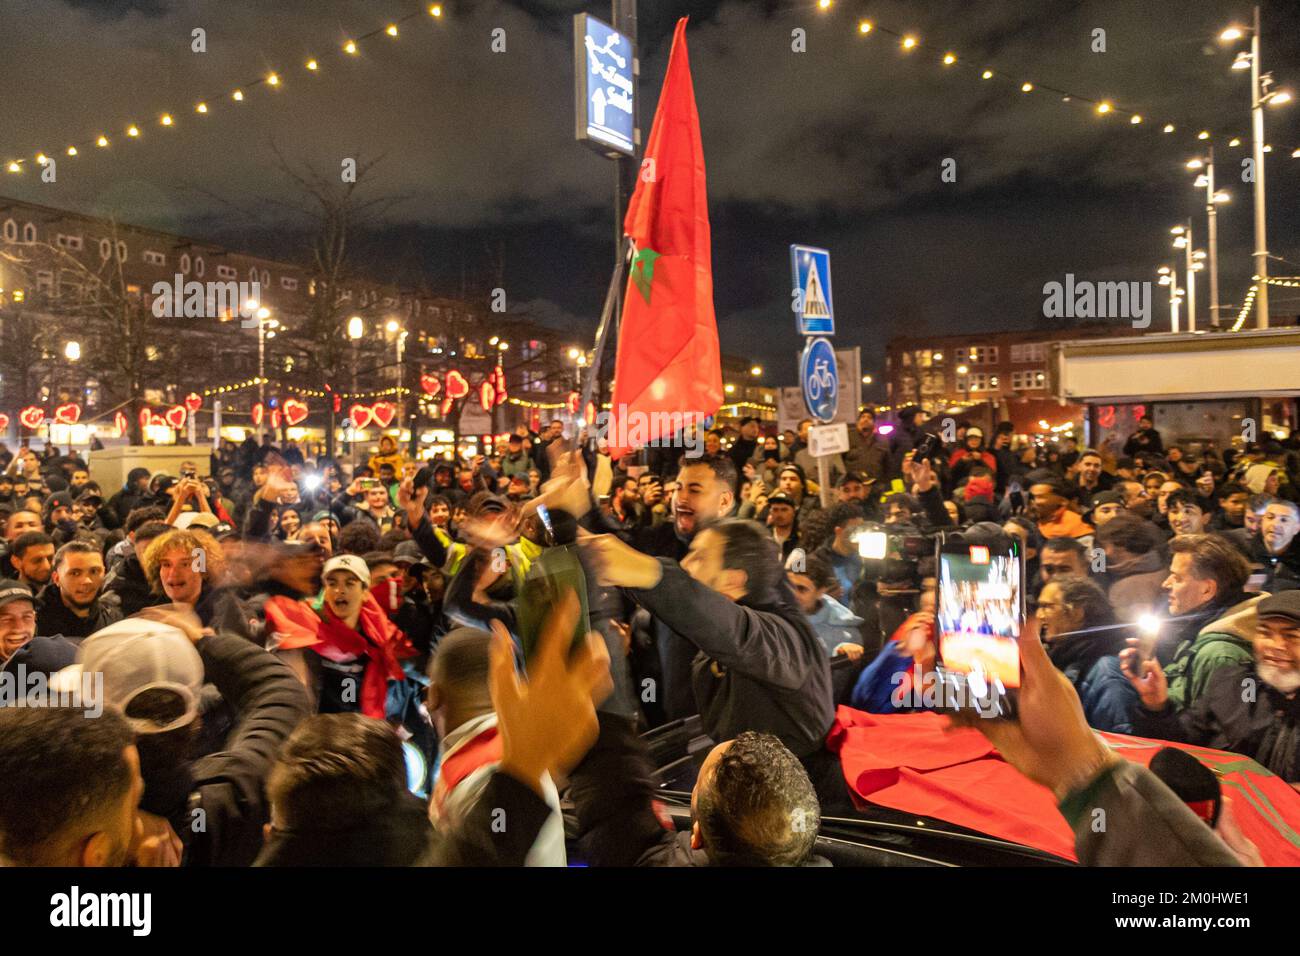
column 1283, row 604
column 12, row 591
column 780, row 498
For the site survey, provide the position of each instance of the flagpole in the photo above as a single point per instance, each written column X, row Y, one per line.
column 606, row 320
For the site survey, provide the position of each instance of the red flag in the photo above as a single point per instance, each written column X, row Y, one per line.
column 668, row 359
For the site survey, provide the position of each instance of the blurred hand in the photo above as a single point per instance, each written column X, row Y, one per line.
column 1050, row 742
column 279, row 486
column 1241, row 846
column 1147, row 677
column 179, row 616
column 155, row 843
column 548, row 721
column 618, row 565
column 918, row 634
column 850, row 650
column 923, row 477
column 412, row 502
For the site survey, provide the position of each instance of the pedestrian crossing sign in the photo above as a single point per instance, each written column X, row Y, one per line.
column 811, row 295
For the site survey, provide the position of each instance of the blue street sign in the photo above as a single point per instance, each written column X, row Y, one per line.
column 811, row 295
column 603, row 63
column 819, row 379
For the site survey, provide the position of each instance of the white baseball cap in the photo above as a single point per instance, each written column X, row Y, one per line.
column 137, row 655
column 347, row 562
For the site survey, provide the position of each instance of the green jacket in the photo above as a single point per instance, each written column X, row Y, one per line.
column 1226, row 640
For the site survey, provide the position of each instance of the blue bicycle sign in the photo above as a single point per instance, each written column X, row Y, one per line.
column 820, row 379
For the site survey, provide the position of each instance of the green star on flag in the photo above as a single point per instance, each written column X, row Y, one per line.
column 643, row 271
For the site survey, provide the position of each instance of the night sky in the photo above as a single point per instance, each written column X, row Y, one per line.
column 839, row 146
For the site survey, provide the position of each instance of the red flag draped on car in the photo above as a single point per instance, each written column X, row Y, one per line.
column 668, row 359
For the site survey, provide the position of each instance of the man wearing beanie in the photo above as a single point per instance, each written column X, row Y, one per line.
column 1251, row 708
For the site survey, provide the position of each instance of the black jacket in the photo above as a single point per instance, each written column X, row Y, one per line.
column 228, row 785
column 402, row 836
column 1283, row 569
column 53, row 616
column 613, row 792
column 127, row 580
column 758, row 665
column 1236, row 712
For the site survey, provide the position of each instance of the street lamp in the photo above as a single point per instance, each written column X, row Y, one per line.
column 756, row 371
column 72, row 351
column 1260, row 94
column 1183, row 240
column 1169, row 277
column 266, row 327
column 1205, row 180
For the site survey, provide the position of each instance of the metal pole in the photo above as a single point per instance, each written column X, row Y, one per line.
column 623, row 19
column 1261, row 229
column 261, row 372
column 1212, row 217
column 1173, row 298
column 1191, row 282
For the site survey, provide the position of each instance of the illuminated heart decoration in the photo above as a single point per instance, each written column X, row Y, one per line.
column 4, row 422
column 32, row 416
column 295, row 411
column 258, row 413
column 361, row 415
column 193, row 401
column 446, row 406
column 499, row 383
column 275, row 418
column 457, row 386
column 430, row 384
column 68, row 414
column 175, row 416
column 487, row 396
column 144, row 418
column 120, row 421
column 383, row 413
column 572, row 402
column 156, row 420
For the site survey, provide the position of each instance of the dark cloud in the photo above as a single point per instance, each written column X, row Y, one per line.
column 840, row 145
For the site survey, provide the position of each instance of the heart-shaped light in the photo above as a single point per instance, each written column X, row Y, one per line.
column 119, row 420
column 295, row 411
column 193, row 401
column 430, row 384
column 145, row 417
column 487, row 394
column 383, row 413
column 32, row 416
column 68, row 414
column 457, row 386
column 258, row 413
column 275, row 419
column 156, row 420
column 361, row 415
column 4, row 422
column 175, row 416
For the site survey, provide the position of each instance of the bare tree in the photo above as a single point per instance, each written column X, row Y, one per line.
column 126, row 347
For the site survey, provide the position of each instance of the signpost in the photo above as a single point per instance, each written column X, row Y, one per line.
column 603, row 62
column 814, row 310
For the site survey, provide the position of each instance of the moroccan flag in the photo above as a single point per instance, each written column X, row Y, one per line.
column 668, row 360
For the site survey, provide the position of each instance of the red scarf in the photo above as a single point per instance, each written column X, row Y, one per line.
column 383, row 644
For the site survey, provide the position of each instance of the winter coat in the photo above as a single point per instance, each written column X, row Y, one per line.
column 834, row 624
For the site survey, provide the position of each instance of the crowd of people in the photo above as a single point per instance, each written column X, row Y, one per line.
column 308, row 663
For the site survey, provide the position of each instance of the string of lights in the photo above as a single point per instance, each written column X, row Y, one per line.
column 274, row 80
column 950, row 60
column 1246, row 308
